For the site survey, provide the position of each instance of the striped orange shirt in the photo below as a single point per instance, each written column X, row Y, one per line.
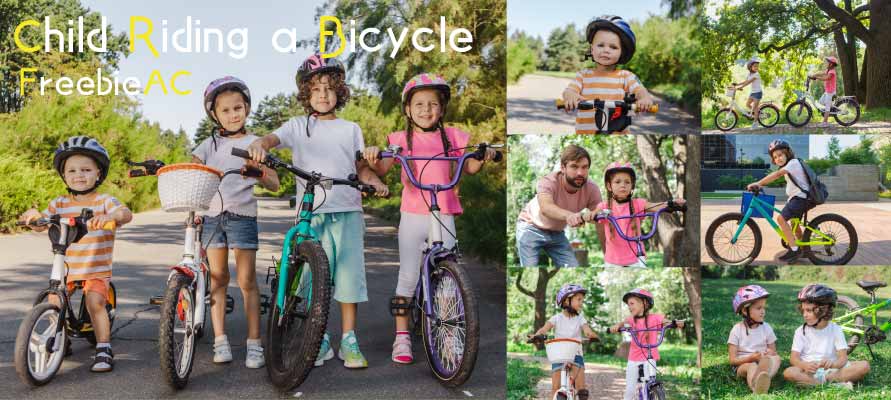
column 90, row 257
column 599, row 85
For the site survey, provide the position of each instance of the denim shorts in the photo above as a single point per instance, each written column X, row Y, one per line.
column 756, row 95
column 229, row 230
column 796, row 207
column 578, row 362
column 531, row 240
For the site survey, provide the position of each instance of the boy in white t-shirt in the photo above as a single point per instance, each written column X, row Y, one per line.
column 797, row 186
column 569, row 324
column 819, row 350
column 752, row 344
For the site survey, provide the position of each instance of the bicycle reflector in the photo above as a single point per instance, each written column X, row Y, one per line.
column 766, row 198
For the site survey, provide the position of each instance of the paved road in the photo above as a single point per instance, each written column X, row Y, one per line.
column 833, row 129
column 870, row 219
column 152, row 241
column 530, row 110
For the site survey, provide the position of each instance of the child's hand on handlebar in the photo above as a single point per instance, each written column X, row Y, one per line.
column 571, row 100
column 257, row 152
column 30, row 216
column 380, row 189
column 645, row 102
column 98, row 221
column 490, row 154
column 753, row 187
column 371, row 154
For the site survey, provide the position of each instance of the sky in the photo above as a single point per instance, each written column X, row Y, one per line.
column 539, row 18
column 820, row 143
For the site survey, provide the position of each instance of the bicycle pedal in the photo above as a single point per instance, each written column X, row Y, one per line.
column 264, row 304
column 230, row 304
column 271, row 271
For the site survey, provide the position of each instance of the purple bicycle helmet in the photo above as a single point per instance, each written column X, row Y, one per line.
column 220, row 85
column 568, row 290
column 618, row 26
column 746, row 295
column 86, row 146
column 642, row 294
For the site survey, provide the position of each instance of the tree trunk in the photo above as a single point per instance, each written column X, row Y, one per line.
column 878, row 80
column 692, row 285
column 669, row 231
column 847, row 58
column 861, row 85
column 539, row 295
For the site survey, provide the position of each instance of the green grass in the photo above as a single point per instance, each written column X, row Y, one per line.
column 522, row 376
column 718, row 381
column 677, row 367
column 886, row 194
column 713, row 195
column 875, row 114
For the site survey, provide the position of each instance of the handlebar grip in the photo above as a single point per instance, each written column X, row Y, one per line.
column 252, row 172
column 652, row 109
column 241, row 153
column 135, row 173
column 498, row 156
column 110, row 226
column 359, row 155
column 560, row 104
column 367, row 189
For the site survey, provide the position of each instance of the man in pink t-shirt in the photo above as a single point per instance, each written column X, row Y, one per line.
column 829, row 85
column 560, row 198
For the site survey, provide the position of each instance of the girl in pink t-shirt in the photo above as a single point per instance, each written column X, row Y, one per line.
column 640, row 302
column 829, row 85
column 424, row 101
column 619, row 179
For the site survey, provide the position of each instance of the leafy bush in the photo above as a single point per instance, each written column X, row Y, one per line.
column 521, row 59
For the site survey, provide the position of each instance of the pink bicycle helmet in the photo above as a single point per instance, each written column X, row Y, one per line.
column 642, row 294
column 748, row 294
column 315, row 64
column 831, row 59
column 617, row 166
column 567, row 290
column 426, row 81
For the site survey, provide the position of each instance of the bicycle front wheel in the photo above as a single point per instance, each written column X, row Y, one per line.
column 847, row 112
column 840, row 230
column 726, row 119
column 723, row 249
column 451, row 335
column 35, row 361
column 177, row 335
column 798, row 114
column 850, row 306
column 768, row 115
column 294, row 333
column 656, row 392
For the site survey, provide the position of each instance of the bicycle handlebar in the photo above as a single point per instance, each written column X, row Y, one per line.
column 586, row 105
column 607, row 215
column 315, row 177
column 661, row 330
column 543, row 338
column 57, row 219
column 395, row 151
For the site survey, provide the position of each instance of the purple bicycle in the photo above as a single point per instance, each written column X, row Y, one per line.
column 444, row 303
column 650, row 388
column 639, row 239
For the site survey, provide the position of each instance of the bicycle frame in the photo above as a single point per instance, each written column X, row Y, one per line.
column 301, row 231
column 645, row 385
column 763, row 208
column 871, row 311
column 194, row 267
column 738, row 108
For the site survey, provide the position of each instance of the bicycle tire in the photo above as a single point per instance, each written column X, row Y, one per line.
column 291, row 348
column 723, row 260
column 856, row 107
column 22, row 348
column 799, row 108
column 726, row 128
column 176, row 361
column 761, row 115
column 851, row 306
column 445, row 274
column 657, row 391
column 849, row 229
column 110, row 308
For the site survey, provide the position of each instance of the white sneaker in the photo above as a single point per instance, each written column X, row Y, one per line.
column 222, row 352
column 255, row 357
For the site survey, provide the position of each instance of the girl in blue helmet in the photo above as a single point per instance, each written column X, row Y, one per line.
column 612, row 43
column 569, row 323
column 231, row 221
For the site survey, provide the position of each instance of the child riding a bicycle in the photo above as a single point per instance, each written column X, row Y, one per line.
column 322, row 142
column 619, row 179
column 640, row 302
column 797, row 187
column 612, row 42
column 752, row 343
column 231, row 221
column 819, row 350
column 755, row 96
column 83, row 165
column 425, row 99
column 829, row 87
column 569, row 323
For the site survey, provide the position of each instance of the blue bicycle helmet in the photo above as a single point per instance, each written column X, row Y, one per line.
column 618, row 26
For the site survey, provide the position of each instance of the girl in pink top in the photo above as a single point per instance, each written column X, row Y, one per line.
column 829, row 86
column 619, row 179
column 640, row 302
column 424, row 101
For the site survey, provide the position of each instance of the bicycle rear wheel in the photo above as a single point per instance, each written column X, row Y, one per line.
column 769, row 115
column 839, row 229
column 35, row 361
column 451, row 335
column 850, row 306
column 718, row 240
column 847, row 112
column 177, row 336
column 726, row 119
column 798, row 114
column 294, row 333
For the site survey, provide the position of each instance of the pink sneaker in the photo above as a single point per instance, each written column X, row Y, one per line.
column 402, row 350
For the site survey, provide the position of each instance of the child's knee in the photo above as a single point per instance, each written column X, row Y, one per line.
column 247, row 284
column 790, row 373
column 862, row 367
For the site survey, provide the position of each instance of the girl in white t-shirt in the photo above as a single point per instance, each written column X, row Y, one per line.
column 570, row 324
column 752, row 344
column 755, row 96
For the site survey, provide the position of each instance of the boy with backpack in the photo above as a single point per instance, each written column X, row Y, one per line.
column 803, row 188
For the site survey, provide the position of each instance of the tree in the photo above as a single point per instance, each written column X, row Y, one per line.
column 670, row 229
column 834, row 148
column 566, row 50
column 539, row 293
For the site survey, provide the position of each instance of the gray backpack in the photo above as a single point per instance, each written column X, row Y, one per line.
column 817, row 192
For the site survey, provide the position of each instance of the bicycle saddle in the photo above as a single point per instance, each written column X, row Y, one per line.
column 871, row 285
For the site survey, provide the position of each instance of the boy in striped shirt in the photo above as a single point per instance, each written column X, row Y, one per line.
column 83, row 164
column 612, row 43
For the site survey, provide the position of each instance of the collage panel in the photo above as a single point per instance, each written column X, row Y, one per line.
column 796, row 332
column 631, row 332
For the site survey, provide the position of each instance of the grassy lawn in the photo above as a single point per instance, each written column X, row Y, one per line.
column 713, row 195
column 677, row 368
column 875, row 114
column 718, row 381
column 522, row 376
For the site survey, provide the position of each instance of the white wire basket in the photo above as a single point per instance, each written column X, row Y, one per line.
column 187, row 187
column 563, row 350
